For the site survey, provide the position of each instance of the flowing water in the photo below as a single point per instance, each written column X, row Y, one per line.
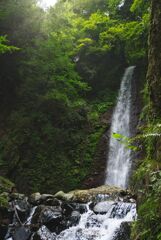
column 107, row 226
column 107, row 220
column 119, row 157
column 96, row 226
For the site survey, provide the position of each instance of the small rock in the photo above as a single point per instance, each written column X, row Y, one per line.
column 64, row 196
column 50, row 200
column 35, row 198
column 103, row 207
column 75, row 217
column 132, row 200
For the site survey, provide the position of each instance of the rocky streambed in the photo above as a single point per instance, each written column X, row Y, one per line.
column 103, row 213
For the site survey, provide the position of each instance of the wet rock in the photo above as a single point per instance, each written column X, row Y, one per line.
column 64, row 196
column 49, row 199
column 124, row 232
column 75, row 217
column 3, row 231
column 45, row 199
column 36, row 216
column 121, row 209
column 5, row 220
column 103, row 207
column 132, row 200
column 22, row 233
column 44, row 234
column 67, row 209
column 22, row 205
column 35, row 198
column 49, row 216
column 54, row 215
column 82, row 234
column 93, row 221
column 82, row 208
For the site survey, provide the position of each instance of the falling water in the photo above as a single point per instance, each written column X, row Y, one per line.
column 119, row 158
column 106, row 221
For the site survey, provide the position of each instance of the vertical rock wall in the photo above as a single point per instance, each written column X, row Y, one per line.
column 154, row 68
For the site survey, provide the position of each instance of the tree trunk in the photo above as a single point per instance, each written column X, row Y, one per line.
column 154, row 68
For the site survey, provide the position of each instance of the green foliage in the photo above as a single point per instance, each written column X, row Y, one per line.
column 5, row 185
column 5, row 188
column 140, row 7
column 5, row 48
column 125, row 140
column 148, row 181
column 63, row 80
column 149, row 209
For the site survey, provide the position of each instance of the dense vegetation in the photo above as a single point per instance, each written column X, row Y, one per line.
column 60, row 71
column 148, row 174
column 54, row 89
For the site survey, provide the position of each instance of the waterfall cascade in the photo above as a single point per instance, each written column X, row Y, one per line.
column 94, row 226
column 119, row 157
column 104, row 218
column 107, row 220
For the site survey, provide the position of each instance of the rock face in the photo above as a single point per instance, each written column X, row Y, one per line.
column 97, row 173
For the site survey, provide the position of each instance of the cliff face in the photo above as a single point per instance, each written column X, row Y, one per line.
column 154, row 68
column 154, row 71
column 148, row 174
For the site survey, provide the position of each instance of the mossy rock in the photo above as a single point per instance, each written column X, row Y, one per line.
column 88, row 195
column 4, row 200
column 5, row 185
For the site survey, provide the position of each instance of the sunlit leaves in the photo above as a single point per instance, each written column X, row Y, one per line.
column 140, row 7
column 4, row 47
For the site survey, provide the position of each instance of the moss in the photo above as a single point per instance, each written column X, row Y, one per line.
column 4, row 200
column 5, row 185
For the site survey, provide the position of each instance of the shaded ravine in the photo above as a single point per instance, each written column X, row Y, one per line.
column 119, row 156
column 107, row 216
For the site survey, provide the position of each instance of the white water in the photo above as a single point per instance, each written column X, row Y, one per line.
column 107, row 225
column 119, row 157
column 96, row 226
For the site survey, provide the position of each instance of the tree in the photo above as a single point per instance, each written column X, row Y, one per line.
column 154, row 70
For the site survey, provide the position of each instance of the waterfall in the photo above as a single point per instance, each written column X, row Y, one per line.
column 119, row 157
column 103, row 219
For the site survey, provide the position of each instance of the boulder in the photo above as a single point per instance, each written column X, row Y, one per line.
column 49, row 216
column 84, row 196
column 74, row 218
column 124, row 232
column 44, row 234
column 35, row 198
column 103, row 207
column 45, row 199
column 49, row 200
column 64, row 196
